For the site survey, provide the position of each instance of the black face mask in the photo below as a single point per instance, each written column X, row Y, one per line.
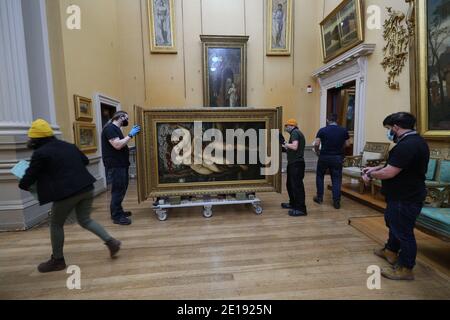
column 124, row 123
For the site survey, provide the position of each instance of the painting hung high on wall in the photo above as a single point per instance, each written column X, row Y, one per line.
column 342, row 29
column 181, row 154
column 224, row 71
column 279, row 27
column 162, row 26
column 433, row 67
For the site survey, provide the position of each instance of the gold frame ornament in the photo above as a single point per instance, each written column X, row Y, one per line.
column 286, row 27
column 420, row 74
column 335, row 16
column 217, row 43
column 152, row 13
column 150, row 183
column 81, row 115
column 78, row 127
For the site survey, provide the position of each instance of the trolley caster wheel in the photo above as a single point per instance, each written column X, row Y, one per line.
column 207, row 212
column 258, row 210
column 162, row 215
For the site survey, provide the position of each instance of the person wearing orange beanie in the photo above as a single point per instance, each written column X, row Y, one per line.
column 296, row 170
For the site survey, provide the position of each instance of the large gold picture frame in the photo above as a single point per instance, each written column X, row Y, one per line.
column 279, row 27
column 224, row 71
column 431, row 104
column 151, row 160
column 342, row 29
column 162, row 26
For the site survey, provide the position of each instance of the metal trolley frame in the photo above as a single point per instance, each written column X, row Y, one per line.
column 162, row 206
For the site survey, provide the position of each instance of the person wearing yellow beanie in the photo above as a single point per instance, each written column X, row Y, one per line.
column 58, row 169
column 40, row 129
column 296, row 170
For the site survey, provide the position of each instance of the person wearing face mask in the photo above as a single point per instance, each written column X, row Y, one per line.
column 59, row 171
column 296, row 170
column 403, row 185
column 331, row 141
column 116, row 154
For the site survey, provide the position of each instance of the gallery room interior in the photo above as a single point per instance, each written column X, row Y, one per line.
column 198, row 160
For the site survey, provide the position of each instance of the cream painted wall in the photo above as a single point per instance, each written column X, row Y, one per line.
column 111, row 55
column 166, row 80
column 381, row 101
column 86, row 61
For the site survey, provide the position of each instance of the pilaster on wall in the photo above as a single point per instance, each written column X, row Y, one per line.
column 18, row 209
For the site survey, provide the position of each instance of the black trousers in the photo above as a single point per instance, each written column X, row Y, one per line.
column 295, row 186
column 118, row 177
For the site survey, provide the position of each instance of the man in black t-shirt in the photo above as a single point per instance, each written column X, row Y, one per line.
column 295, row 171
column 331, row 141
column 116, row 160
column 403, row 185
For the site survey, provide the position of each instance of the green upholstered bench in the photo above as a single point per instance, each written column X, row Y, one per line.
column 435, row 221
column 438, row 182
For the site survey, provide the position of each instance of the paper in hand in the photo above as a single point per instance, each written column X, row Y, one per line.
column 20, row 168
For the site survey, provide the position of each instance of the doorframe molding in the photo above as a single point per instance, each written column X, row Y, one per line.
column 98, row 99
column 351, row 66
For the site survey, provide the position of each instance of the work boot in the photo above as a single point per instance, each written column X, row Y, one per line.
column 337, row 205
column 398, row 273
column 297, row 213
column 113, row 246
column 318, row 200
column 388, row 255
column 127, row 214
column 123, row 221
column 52, row 265
column 286, row 206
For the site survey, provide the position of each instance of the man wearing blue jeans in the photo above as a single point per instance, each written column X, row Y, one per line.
column 403, row 185
column 331, row 141
column 116, row 160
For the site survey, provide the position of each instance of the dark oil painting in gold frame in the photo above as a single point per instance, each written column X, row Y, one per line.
column 158, row 178
column 224, row 71
column 342, row 29
column 432, row 68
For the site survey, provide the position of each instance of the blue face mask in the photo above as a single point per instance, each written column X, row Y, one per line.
column 390, row 135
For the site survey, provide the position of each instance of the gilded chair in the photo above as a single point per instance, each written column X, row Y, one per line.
column 374, row 154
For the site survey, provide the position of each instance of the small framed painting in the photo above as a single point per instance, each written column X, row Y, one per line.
column 83, row 109
column 162, row 26
column 85, row 136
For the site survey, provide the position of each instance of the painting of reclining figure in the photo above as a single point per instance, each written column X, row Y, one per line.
column 211, row 168
column 205, row 151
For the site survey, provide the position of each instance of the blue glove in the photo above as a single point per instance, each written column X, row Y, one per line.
column 134, row 131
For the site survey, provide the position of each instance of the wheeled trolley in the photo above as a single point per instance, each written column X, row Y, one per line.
column 162, row 206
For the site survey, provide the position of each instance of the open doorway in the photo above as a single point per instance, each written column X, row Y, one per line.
column 107, row 111
column 341, row 101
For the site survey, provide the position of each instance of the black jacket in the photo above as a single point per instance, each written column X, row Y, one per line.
column 59, row 168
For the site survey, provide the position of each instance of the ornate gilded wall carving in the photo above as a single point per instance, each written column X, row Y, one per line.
column 398, row 29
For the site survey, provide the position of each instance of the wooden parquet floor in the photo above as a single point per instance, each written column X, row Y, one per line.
column 234, row 255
